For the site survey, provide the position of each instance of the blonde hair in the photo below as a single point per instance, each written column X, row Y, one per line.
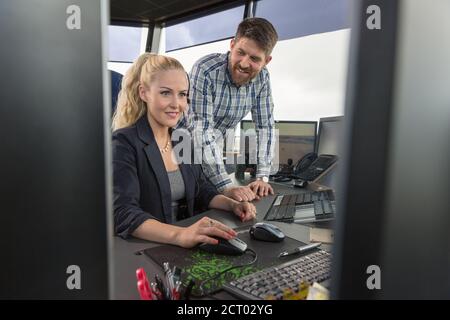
column 130, row 107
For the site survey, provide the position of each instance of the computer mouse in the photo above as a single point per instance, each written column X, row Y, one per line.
column 266, row 232
column 232, row 247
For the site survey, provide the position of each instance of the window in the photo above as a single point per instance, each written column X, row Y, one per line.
column 308, row 73
column 293, row 19
column 214, row 27
column 125, row 43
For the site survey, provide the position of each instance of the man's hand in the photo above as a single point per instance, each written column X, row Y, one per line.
column 244, row 210
column 240, row 193
column 260, row 188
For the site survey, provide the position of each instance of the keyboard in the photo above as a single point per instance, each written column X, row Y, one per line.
column 273, row 282
column 303, row 207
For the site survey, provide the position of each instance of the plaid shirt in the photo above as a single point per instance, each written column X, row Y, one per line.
column 216, row 103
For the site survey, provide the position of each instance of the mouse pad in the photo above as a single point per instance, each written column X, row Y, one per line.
column 200, row 266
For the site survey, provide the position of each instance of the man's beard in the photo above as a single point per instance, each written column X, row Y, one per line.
column 243, row 78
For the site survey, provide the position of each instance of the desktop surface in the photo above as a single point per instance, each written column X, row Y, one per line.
column 128, row 255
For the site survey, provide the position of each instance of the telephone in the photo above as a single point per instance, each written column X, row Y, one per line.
column 307, row 169
column 311, row 166
column 304, row 162
column 287, row 173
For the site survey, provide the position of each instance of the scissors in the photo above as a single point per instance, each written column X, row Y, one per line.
column 142, row 285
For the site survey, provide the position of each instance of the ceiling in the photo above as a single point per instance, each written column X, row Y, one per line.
column 156, row 11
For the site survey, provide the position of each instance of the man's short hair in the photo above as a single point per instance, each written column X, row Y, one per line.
column 259, row 30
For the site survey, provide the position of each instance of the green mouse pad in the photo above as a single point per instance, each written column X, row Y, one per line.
column 201, row 266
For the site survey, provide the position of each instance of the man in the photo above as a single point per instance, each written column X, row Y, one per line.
column 224, row 89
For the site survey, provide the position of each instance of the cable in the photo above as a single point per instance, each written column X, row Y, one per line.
column 255, row 258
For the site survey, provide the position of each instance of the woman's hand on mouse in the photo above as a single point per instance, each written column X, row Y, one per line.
column 244, row 210
column 202, row 231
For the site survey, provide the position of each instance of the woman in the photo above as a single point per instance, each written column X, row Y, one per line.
column 151, row 191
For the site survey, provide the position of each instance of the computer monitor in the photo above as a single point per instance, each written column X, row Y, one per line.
column 55, row 180
column 392, row 238
column 329, row 136
column 295, row 140
column 329, row 143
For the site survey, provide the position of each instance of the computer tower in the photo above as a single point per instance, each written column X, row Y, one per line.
column 54, row 166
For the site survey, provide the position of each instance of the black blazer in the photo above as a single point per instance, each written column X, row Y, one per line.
column 141, row 184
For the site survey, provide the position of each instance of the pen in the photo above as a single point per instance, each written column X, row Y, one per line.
column 156, row 292
column 176, row 291
column 300, row 249
column 176, row 274
column 161, row 287
column 169, row 279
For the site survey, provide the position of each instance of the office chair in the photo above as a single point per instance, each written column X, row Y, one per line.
column 116, row 80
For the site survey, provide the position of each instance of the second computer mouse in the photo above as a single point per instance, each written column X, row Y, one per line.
column 266, row 232
column 228, row 247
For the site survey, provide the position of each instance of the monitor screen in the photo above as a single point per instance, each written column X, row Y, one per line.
column 330, row 132
column 295, row 139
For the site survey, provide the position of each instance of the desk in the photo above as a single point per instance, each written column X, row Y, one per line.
column 126, row 261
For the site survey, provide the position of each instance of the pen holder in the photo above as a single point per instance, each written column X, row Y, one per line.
column 172, row 290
